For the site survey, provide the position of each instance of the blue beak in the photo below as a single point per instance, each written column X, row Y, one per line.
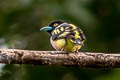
column 47, row 28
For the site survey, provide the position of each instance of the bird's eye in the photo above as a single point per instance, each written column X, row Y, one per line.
column 55, row 25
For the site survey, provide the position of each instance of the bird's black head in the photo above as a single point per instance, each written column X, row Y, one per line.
column 52, row 26
column 56, row 23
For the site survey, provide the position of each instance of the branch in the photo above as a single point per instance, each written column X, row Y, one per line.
column 81, row 59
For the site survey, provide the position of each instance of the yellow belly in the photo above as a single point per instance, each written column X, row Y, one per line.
column 58, row 44
column 71, row 47
column 65, row 45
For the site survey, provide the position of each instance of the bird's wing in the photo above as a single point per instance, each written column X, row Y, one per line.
column 70, row 31
column 61, row 31
column 78, row 37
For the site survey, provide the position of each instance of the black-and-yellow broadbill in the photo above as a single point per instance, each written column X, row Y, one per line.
column 65, row 36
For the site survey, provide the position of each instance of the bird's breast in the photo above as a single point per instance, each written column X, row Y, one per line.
column 58, row 44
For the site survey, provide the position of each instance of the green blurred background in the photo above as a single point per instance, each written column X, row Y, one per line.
column 20, row 21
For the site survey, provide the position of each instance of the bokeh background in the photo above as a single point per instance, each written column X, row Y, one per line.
column 20, row 21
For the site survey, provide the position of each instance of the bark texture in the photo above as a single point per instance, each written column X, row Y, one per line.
column 81, row 59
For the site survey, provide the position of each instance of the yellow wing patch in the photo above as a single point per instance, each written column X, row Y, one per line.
column 61, row 28
column 73, row 26
column 64, row 34
column 75, row 30
column 57, row 30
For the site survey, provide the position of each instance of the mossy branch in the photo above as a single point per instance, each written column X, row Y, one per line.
column 81, row 59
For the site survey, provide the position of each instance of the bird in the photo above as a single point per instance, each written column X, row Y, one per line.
column 65, row 36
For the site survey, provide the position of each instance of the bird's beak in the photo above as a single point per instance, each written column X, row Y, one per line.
column 47, row 28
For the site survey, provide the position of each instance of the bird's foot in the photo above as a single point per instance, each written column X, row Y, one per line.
column 76, row 52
